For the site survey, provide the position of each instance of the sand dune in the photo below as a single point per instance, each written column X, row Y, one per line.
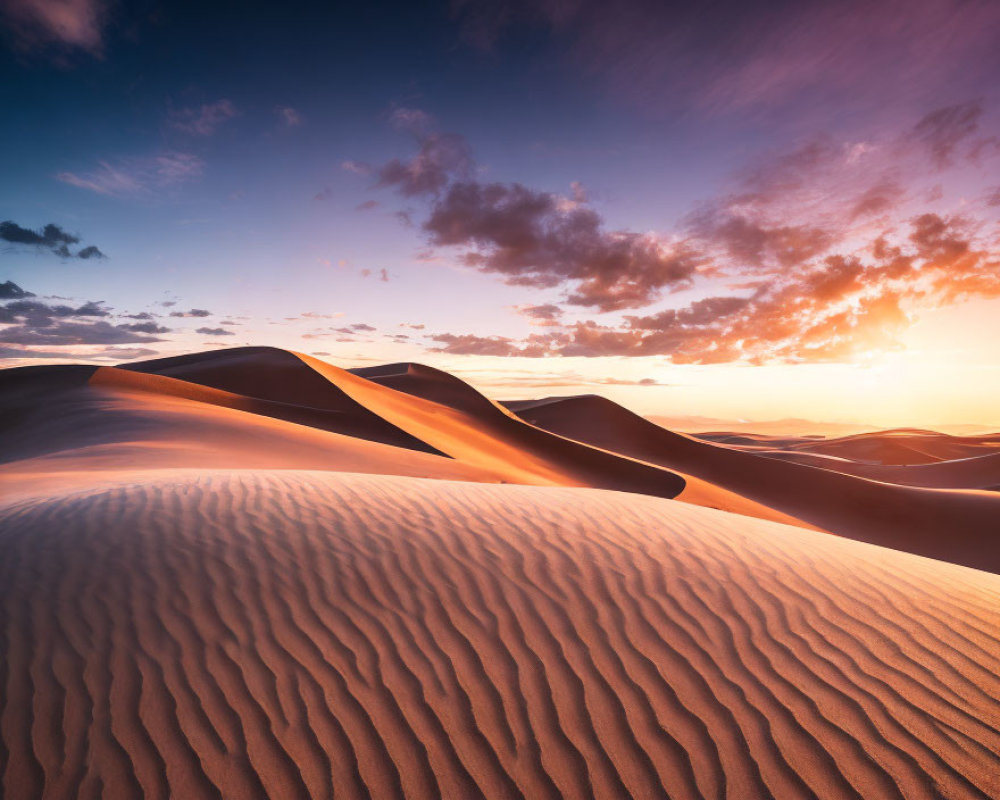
column 312, row 634
column 249, row 573
column 953, row 525
column 108, row 423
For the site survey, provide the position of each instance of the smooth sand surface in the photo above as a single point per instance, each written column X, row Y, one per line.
column 285, row 634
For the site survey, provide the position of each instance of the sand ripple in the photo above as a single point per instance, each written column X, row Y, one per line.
column 304, row 634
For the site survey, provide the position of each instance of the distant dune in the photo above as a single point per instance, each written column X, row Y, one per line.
column 248, row 573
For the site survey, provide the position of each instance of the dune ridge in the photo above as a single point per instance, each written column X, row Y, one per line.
column 204, row 633
column 956, row 525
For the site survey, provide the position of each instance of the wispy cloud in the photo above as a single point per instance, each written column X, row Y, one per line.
column 289, row 116
column 204, row 120
column 132, row 176
column 818, row 56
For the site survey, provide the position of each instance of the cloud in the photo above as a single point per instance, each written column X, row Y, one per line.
column 545, row 315
column 51, row 238
column 357, row 167
column 412, row 120
column 820, row 58
column 194, row 312
column 72, row 24
column 137, row 175
column 368, row 205
column 324, row 194
column 37, row 313
column 533, row 238
column 215, row 332
column 205, row 119
column 63, row 332
column 820, row 252
column 11, row 291
column 441, row 158
column 944, row 129
column 468, row 344
column 289, row 116
column 144, row 327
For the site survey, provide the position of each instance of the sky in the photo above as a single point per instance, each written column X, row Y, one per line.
column 739, row 210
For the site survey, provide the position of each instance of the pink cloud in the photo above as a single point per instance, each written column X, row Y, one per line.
column 205, row 119
column 71, row 23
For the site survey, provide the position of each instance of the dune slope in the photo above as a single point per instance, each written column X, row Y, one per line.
column 953, row 525
column 305, row 634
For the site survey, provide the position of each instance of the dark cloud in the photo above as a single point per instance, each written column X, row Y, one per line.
column 194, row 312
column 140, row 315
column 215, row 332
column 442, row 158
column 545, row 315
column 90, row 252
column 37, row 313
column 144, row 327
column 51, row 238
column 63, row 332
column 11, row 291
column 368, row 205
column 543, row 240
column 104, row 354
column 24, row 321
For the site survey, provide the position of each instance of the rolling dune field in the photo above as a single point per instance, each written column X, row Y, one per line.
column 248, row 573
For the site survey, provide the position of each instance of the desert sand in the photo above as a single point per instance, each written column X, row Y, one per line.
column 249, row 573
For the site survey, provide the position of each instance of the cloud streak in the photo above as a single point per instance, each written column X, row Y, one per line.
column 136, row 176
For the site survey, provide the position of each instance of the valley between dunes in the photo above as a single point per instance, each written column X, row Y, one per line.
column 248, row 573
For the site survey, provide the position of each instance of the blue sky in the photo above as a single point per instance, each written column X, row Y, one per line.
column 657, row 200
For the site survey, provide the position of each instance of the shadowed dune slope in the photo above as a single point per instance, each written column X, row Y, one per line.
column 303, row 634
column 284, row 387
column 118, row 422
column 952, row 525
column 479, row 432
column 70, row 419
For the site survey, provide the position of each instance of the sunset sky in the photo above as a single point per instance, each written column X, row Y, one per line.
column 723, row 209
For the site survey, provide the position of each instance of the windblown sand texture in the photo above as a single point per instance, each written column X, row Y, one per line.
column 250, row 574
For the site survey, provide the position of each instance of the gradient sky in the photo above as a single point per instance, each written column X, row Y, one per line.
column 741, row 210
